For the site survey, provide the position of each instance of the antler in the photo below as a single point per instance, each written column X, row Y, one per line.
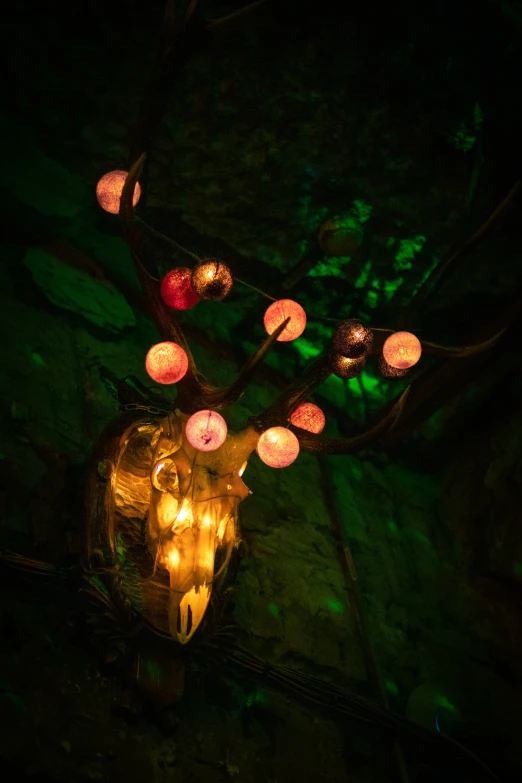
column 449, row 352
column 194, row 392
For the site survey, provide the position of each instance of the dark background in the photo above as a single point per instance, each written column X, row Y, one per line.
column 295, row 115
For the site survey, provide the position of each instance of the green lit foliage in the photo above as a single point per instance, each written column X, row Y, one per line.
column 408, row 248
column 335, row 606
column 465, row 135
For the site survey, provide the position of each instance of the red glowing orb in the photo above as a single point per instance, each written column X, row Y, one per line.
column 278, row 312
column 278, row 447
column 402, row 350
column 206, row 430
column 308, row 417
column 109, row 189
column 176, row 289
column 166, row 363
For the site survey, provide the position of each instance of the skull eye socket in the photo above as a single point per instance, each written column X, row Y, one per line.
column 165, row 476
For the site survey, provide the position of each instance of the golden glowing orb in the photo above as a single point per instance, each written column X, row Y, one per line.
column 278, row 312
column 212, row 279
column 402, row 350
column 308, row 417
column 109, row 190
column 278, row 447
column 166, row 362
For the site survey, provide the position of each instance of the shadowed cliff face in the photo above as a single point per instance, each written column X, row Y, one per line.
column 401, row 122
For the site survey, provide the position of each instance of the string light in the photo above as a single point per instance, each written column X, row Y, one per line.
column 176, row 289
column 352, row 339
column 308, row 417
column 344, row 367
column 402, row 350
column 278, row 447
column 278, row 312
column 206, row 430
column 387, row 371
column 212, row 280
column 166, row 362
column 109, row 190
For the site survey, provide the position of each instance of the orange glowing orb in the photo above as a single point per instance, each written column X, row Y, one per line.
column 278, row 312
column 308, row 417
column 109, row 189
column 176, row 289
column 278, row 447
column 206, row 430
column 166, row 363
column 402, row 350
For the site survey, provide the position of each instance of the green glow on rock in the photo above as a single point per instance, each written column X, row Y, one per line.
column 361, row 210
column 362, row 280
column 38, row 360
column 372, row 299
column 330, row 266
column 407, row 250
column 273, row 609
column 517, row 568
column 392, row 527
column 422, row 538
column 335, row 606
column 465, row 136
column 392, row 687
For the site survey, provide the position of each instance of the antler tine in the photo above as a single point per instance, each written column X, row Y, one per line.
column 194, row 392
column 193, row 386
column 321, row 444
column 295, row 393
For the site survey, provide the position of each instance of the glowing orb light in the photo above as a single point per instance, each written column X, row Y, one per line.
column 344, row 367
column 308, row 417
column 166, row 362
column 206, row 430
column 278, row 447
column 278, row 312
column 402, row 350
column 387, row 371
column 109, row 189
column 176, row 289
column 212, row 280
column 352, row 339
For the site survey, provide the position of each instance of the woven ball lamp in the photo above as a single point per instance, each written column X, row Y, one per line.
column 212, row 280
column 166, row 362
column 176, row 289
column 402, row 350
column 278, row 312
column 308, row 417
column 206, row 430
column 352, row 339
column 344, row 367
column 278, row 447
column 109, row 190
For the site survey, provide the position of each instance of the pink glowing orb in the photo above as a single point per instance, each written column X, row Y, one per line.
column 308, row 417
column 109, row 189
column 166, row 363
column 206, row 430
column 402, row 350
column 278, row 447
column 278, row 312
column 176, row 289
